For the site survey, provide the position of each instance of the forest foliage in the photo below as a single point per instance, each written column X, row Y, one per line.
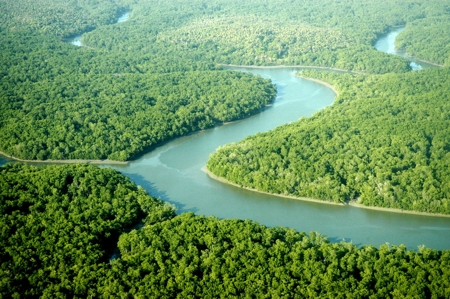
column 253, row 40
column 377, row 145
column 41, row 76
column 89, row 107
column 427, row 39
column 61, row 224
column 68, row 231
column 57, row 17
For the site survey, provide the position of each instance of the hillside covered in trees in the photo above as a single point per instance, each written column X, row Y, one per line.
column 61, row 224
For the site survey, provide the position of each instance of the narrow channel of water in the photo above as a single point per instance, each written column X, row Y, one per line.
column 76, row 40
column 386, row 43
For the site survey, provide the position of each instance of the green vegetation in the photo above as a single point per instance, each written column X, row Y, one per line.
column 57, row 17
column 155, row 77
column 259, row 33
column 427, row 39
column 59, row 98
column 197, row 257
column 383, row 146
column 60, row 223
column 109, row 108
column 252, row 40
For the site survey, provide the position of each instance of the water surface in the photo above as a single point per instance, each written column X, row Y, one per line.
column 173, row 173
column 386, row 43
column 124, row 17
column 76, row 40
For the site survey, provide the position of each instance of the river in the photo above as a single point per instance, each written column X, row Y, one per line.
column 386, row 43
column 76, row 40
column 173, row 173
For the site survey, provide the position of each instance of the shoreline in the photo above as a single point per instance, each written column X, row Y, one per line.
column 297, row 74
column 403, row 51
column 115, row 162
column 426, row 61
column 290, row 67
column 350, row 204
column 395, row 210
column 225, row 181
column 411, row 58
column 320, row 82
column 67, row 161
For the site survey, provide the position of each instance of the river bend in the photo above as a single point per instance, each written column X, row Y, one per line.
column 386, row 43
column 173, row 173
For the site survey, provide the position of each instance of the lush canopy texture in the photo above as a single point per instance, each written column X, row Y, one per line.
column 89, row 107
column 72, row 231
column 427, row 39
column 58, row 99
column 383, row 143
column 59, row 226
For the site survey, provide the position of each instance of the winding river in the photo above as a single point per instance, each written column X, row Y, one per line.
column 76, row 40
column 173, row 173
column 386, row 43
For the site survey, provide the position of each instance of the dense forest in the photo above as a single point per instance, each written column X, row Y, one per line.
column 254, row 40
column 377, row 145
column 111, row 109
column 80, row 231
column 58, row 97
column 433, row 32
column 61, row 225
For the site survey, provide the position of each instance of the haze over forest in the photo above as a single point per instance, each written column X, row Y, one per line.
column 80, row 230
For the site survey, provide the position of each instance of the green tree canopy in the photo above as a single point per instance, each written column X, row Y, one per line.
column 383, row 143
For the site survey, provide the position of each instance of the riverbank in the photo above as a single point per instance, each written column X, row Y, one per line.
column 67, row 161
column 424, row 61
column 298, row 74
column 320, row 82
column 392, row 210
column 351, row 204
column 403, row 53
column 291, row 67
column 225, row 181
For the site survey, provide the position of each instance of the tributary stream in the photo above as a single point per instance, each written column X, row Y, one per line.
column 173, row 172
